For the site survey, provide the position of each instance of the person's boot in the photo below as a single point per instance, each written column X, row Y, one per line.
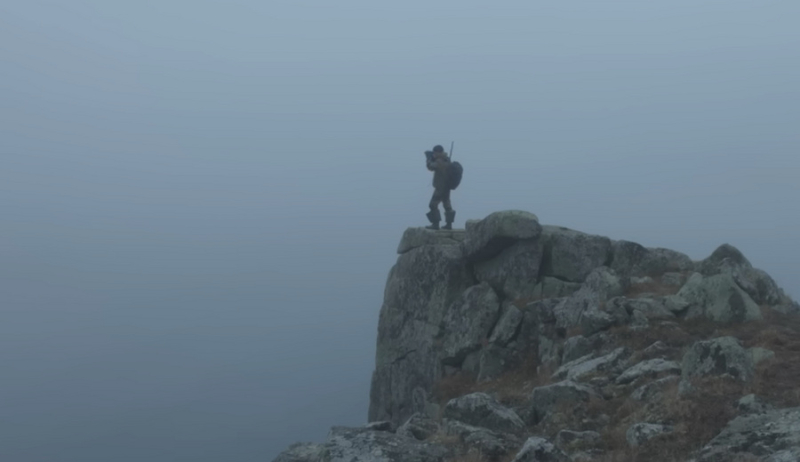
column 434, row 218
column 449, row 217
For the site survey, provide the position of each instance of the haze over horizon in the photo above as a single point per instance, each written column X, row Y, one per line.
column 201, row 200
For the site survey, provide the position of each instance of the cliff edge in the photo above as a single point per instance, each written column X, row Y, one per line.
column 514, row 340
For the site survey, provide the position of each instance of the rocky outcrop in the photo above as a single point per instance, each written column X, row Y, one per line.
column 773, row 435
column 604, row 340
column 488, row 237
column 572, row 255
column 548, row 398
column 480, row 409
column 363, row 444
column 640, row 433
column 538, row 449
column 720, row 356
column 718, row 298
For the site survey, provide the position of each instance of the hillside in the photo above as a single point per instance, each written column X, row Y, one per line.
column 510, row 340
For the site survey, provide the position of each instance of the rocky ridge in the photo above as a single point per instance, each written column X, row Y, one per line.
column 511, row 340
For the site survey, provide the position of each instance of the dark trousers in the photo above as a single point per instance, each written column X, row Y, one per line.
column 440, row 196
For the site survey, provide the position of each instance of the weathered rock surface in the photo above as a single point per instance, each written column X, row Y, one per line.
column 648, row 368
column 480, row 409
column 538, row 449
column 752, row 404
column 654, row 390
column 418, row 237
column 568, row 438
column 422, row 285
column 419, row 427
column 550, row 287
column 640, row 433
column 601, row 285
column 303, row 452
column 772, row 435
column 632, row 259
column 363, row 444
column 498, row 231
column 718, row 298
column 359, row 445
column 490, row 443
column 586, row 366
column 571, row 255
column 469, row 322
column 508, row 325
column 720, row 356
column 547, row 398
column 515, row 271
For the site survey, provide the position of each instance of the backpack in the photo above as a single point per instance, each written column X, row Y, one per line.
column 454, row 173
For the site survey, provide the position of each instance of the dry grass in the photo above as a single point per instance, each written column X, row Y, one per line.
column 513, row 387
column 697, row 418
column 656, row 287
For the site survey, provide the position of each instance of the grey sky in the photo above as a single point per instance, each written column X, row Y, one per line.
column 201, row 200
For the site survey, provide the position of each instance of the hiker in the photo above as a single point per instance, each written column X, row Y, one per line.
column 439, row 163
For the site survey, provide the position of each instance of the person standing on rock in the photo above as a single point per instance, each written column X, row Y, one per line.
column 439, row 163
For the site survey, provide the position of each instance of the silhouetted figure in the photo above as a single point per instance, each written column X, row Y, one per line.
column 439, row 163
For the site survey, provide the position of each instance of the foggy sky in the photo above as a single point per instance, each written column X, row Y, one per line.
column 200, row 201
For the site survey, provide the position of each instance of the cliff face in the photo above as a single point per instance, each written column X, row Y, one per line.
column 511, row 338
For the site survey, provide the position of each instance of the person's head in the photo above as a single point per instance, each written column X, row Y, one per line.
column 438, row 148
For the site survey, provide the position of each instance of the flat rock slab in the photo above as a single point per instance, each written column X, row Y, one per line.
column 584, row 366
column 640, row 433
column 364, row 444
column 549, row 397
column 538, row 449
column 649, row 368
column 770, row 436
column 490, row 443
column 481, row 410
column 418, row 237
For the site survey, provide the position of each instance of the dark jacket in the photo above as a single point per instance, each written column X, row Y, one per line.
column 439, row 166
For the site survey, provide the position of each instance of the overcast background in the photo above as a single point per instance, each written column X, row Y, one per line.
column 200, row 200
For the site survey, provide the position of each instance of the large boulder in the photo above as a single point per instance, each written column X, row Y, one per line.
column 548, row 398
column 601, row 285
column 538, row 449
column 508, row 326
column 727, row 259
column 718, row 298
column 480, row 409
column 421, row 287
column 468, row 323
column 419, row 426
column 632, row 259
column 498, row 231
column 771, row 436
column 418, row 237
column 648, row 368
column 719, row 356
column 360, row 445
column 571, row 255
column 588, row 365
column 303, row 452
column 642, row 432
column 489, row 443
column 550, row 287
column 515, row 271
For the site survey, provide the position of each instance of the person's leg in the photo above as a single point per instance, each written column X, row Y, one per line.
column 449, row 213
column 433, row 215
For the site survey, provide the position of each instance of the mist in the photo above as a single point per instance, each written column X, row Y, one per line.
column 200, row 201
